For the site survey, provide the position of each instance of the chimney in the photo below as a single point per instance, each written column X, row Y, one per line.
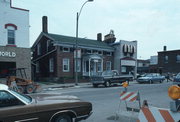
column 165, row 48
column 99, row 37
column 44, row 24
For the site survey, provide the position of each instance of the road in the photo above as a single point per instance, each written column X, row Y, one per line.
column 106, row 100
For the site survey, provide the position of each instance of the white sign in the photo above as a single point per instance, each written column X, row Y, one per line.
column 128, row 63
column 7, row 54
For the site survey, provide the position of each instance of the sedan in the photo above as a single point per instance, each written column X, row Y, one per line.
column 177, row 78
column 151, row 78
column 16, row 107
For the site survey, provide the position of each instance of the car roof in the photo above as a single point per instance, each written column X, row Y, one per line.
column 3, row 87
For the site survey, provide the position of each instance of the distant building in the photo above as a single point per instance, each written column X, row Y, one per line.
column 169, row 61
column 143, row 66
column 54, row 55
column 14, row 38
column 153, row 67
column 125, row 57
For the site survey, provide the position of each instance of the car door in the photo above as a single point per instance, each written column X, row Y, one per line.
column 14, row 110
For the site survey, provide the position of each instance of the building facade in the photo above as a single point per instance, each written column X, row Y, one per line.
column 143, row 66
column 169, row 61
column 125, row 57
column 14, row 38
column 54, row 55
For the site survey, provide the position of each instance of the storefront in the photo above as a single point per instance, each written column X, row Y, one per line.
column 13, row 58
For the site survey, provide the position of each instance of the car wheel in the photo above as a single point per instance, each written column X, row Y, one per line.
column 107, row 84
column 95, row 85
column 21, row 89
column 63, row 118
column 30, row 89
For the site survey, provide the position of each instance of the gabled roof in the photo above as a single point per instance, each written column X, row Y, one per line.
column 61, row 39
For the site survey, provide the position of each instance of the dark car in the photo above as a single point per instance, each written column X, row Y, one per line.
column 109, row 77
column 16, row 107
column 177, row 78
column 151, row 78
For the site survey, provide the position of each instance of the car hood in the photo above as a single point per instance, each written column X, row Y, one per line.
column 45, row 98
column 144, row 78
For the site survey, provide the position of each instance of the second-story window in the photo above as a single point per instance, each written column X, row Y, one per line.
column 178, row 58
column 11, row 37
column 66, row 49
column 39, row 49
column 166, row 59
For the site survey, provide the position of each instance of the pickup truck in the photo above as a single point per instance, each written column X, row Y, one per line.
column 110, row 77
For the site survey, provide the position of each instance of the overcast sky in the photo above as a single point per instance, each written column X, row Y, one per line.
column 153, row 23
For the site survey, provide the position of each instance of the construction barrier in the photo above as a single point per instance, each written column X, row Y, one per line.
column 129, row 96
column 154, row 114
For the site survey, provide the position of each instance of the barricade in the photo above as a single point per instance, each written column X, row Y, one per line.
column 154, row 114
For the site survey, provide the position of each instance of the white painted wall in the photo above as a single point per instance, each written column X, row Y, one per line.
column 20, row 18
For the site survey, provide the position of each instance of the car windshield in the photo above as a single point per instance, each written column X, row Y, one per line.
column 107, row 73
column 23, row 97
column 148, row 75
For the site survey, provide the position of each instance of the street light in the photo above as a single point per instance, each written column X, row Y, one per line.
column 76, row 56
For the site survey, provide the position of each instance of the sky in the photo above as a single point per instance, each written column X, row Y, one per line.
column 153, row 23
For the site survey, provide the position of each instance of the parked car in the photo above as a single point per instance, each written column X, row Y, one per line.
column 151, row 78
column 109, row 77
column 17, row 107
column 177, row 78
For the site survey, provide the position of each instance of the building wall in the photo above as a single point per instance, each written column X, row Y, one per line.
column 171, row 65
column 21, row 56
column 18, row 17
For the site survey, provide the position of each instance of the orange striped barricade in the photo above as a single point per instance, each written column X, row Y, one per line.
column 130, row 97
column 154, row 114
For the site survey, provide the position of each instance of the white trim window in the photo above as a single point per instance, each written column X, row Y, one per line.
column 108, row 65
column 65, row 65
column 66, row 49
column 51, row 65
column 99, row 68
column 11, row 36
column 37, row 67
column 38, row 49
column 78, row 66
column 178, row 58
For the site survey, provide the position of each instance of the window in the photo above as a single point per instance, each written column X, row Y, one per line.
column 65, row 65
column 166, row 59
column 88, row 51
column 66, row 49
column 178, row 58
column 39, row 49
column 78, row 65
column 108, row 53
column 99, row 68
column 51, row 65
column 7, row 99
column 37, row 67
column 108, row 65
column 100, row 52
column 48, row 44
column 11, row 37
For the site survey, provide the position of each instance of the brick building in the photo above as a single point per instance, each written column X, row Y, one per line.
column 14, row 38
column 169, row 61
column 54, row 55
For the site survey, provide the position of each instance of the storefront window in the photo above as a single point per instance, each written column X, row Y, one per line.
column 65, row 65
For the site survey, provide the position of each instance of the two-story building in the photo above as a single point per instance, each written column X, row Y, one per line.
column 169, row 61
column 14, row 38
column 54, row 55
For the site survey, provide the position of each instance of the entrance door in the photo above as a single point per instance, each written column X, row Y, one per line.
column 4, row 68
